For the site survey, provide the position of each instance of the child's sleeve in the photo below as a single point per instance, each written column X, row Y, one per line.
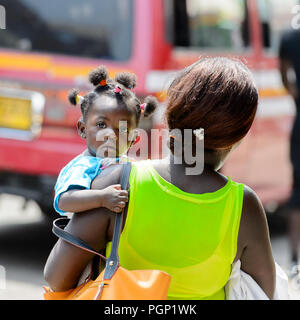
column 77, row 174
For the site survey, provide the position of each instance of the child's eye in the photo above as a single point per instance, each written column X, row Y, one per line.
column 101, row 125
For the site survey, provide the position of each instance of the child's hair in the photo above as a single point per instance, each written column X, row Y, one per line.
column 120, row 87
column 216, row 94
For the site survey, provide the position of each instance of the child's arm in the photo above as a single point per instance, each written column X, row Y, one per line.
column 111, row 197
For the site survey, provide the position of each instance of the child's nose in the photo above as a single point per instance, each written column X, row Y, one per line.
column 111, row 134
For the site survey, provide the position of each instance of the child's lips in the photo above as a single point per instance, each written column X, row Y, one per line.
column 108, row 147
column 107, row 150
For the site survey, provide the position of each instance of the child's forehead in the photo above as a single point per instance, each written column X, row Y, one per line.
column 106, row 103
column 109, row 107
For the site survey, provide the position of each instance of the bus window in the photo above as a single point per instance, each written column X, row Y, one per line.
column 275, row 16
column 89, row 28
column 212, row 25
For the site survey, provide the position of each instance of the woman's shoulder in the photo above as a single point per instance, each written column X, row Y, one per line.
column 144, row 164
column 252, row 210
column 250, row 198
column 252, row 203
column 111, row 175
column 253, row 213
column 253, row 223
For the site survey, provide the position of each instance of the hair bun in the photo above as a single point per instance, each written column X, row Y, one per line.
column 73, row 93
column 98, row 75
column 151, row 104
column 127, row 79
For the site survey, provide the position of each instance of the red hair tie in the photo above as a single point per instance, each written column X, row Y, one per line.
column 103, row 83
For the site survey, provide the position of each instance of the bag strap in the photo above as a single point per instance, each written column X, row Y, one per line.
column 60, row 223
column 58, row 229
column 113, row 261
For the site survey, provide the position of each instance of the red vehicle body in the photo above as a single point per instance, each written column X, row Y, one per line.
column 29, row 164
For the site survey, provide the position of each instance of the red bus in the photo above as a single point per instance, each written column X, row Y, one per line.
column 49, row 47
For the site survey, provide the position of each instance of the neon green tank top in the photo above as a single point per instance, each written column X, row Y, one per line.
column 193, row 237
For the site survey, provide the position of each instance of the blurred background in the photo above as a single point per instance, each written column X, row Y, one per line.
column 49, row 47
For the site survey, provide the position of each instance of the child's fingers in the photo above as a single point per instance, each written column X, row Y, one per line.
column 121, row 204
column 123, row 193
column 123, row 198
column 117, row 209
column 116, row 186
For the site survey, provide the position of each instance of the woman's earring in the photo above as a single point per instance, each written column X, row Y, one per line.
column 83, row 135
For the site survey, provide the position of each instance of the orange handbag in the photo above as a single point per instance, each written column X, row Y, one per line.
column 114, row 282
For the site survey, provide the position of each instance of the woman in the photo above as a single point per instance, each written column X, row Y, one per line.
column 191, row 226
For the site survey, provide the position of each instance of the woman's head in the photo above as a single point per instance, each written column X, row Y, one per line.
column 216, row 94
column 103, row 108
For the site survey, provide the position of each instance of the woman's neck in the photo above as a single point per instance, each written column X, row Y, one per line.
column 206, row 167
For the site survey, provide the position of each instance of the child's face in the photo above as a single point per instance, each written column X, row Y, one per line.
column 102, row 127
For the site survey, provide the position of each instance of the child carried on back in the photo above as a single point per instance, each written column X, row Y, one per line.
column 110, row 110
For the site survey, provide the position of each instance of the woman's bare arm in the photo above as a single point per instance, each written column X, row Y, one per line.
column 66, row 262
column 254, row 246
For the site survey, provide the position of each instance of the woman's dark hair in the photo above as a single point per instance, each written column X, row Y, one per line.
column 124, row 82
column 217, row 94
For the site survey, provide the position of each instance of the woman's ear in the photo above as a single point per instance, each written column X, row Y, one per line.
column 81, row 128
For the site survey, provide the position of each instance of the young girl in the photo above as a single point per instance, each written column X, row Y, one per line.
column 110, row 102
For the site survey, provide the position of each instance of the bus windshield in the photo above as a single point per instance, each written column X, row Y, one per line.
column 89, row 28
column 209, row 25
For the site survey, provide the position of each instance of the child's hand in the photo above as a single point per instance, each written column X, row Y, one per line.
column 114, row 198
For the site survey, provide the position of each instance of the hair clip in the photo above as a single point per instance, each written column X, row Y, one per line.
column 118, row 89
column 103, row 83
column 199, row 133
column 143, row 106
column 79, row 99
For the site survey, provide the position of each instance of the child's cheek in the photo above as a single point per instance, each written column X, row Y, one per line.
column 99, row 136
